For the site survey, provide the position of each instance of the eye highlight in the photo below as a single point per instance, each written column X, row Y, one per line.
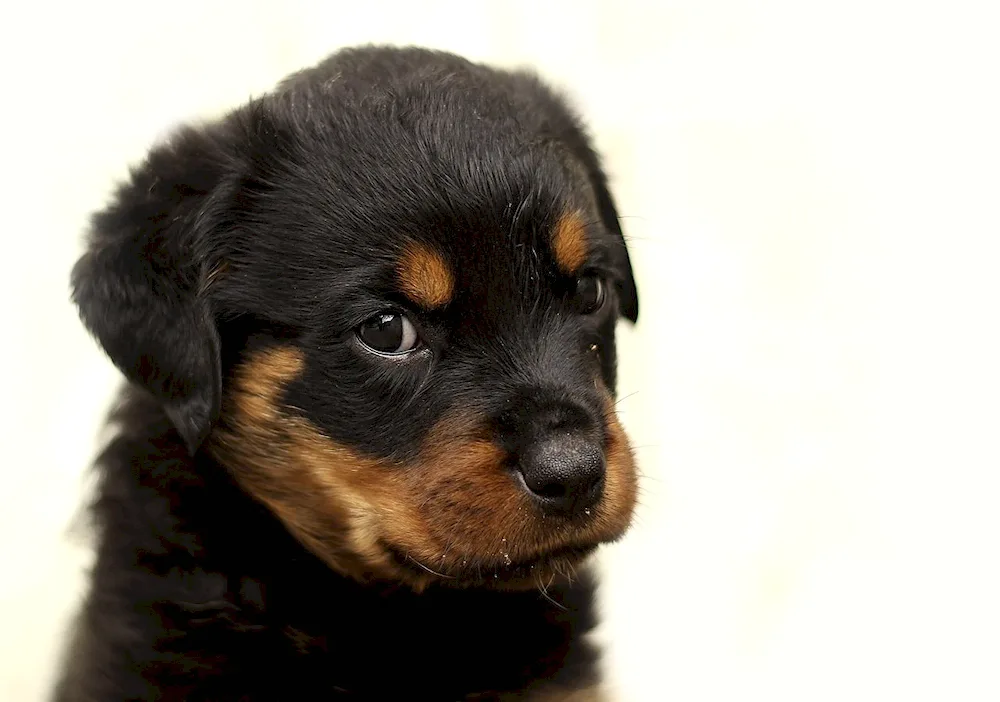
column 590, row 294
column 389, row 334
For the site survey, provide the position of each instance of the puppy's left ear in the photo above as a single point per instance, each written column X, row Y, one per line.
column 140, row 285
column 628, row 295
column 568, row 130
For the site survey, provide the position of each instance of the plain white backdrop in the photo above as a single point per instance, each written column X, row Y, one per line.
column 811, row 195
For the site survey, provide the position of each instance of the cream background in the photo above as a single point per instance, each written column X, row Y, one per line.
column 811, row 194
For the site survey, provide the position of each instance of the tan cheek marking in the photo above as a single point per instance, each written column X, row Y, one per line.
column 569, row 242
column 425, row 277
column 344, row 506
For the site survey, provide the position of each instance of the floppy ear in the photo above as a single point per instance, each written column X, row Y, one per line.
column 569, row 130
column 139, row 286
column 628, row 295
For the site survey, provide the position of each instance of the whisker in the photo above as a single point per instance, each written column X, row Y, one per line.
column 545, row 592
column 625, row 397
column 429, row 570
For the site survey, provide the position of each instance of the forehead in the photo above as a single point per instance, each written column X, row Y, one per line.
column 471, row 208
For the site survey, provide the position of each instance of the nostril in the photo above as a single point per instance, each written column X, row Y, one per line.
column 550, row 491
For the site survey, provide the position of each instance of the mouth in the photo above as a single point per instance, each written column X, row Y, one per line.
column 503, row 573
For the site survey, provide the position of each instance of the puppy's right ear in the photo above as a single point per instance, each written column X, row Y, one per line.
column 140, row 286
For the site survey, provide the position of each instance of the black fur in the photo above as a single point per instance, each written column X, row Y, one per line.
column 282, row 224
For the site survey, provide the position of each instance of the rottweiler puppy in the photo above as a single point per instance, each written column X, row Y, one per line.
column 368, row 437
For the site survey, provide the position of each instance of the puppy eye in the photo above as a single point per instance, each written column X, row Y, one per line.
column 590, row 295
column 388, row 333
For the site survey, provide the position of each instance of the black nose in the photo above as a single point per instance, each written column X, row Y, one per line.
column 565, row 473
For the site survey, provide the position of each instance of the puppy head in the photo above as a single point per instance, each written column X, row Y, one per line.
column 387, row 295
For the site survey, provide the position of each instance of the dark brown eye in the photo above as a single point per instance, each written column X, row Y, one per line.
column 590, row 294
column 388, row 333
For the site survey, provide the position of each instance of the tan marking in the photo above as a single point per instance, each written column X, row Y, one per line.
column 425, row 277
column 569, row 242
column 454, row 510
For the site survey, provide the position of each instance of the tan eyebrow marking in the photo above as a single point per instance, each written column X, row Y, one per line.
column 425, row 277
column 569, row 242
